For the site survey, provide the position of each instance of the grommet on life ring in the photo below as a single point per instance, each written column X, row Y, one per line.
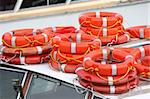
column 90, row 64
column 77, row 43
column 139, row 31
column 140, row 53
column 106, row 80
column 26, row 38
column 103, row 31
column 25, row 59
column 110, row 89
column 28, row 51
column 100, row 19
column 67, row 68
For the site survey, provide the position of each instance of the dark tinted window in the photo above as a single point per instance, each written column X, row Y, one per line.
column 6, row 87
column 10, row 4
column 7, row 4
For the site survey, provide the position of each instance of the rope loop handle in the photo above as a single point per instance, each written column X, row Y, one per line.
column 79, row 91
column 113, row 41
column 96, row 70
column 69, row 58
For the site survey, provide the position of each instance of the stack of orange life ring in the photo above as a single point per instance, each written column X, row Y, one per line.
column 30, row 46
column 69, row 50
column 142, row 60
column 141, row 32
column 98, row 74
column 26, row 46
column 106, row 25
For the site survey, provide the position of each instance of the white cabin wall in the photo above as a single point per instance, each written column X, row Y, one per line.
column 148, row 14
column 133, row 15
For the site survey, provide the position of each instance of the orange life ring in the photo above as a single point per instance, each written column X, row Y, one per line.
column 76, row 43
column 115, row 39
column 103, row 31
column 28, row 51
column 67, row 68
column 25, row 59
column 100, row 19
column 74, row 59
column 145, row 61
column 126, row 49
column 105, row 80
column 90, row 63
column 63, row 29
column 110, row 89
column 139, row 31
column 139, row 53
column 26, row 38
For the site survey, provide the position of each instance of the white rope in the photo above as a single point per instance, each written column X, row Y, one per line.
column 146, row 79
column 51, row 67
column 77, row 89
column 7, row 60
column 113, row 41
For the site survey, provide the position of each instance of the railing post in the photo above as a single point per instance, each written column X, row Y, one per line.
column 18, row 5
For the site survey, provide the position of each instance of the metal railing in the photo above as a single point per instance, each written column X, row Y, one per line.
column 18, row 4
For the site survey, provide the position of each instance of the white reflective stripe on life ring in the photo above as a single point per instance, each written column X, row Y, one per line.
column 114, row 69
column 78, row 37
column 142, row 50
column 104, row 19
column 39, row 49
column 34, row 32
column 54, row 29
column 73, row 48
column 13, row 41
column 45, row 36
column 2, row 49
column 110, row 80
column 97, row 14
column 104, row 51
column 141, row 30
column 112, row 89
column 105, row 32
column 22, row 60
column 62, row 66
column 103, row 62
column 55, row 52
